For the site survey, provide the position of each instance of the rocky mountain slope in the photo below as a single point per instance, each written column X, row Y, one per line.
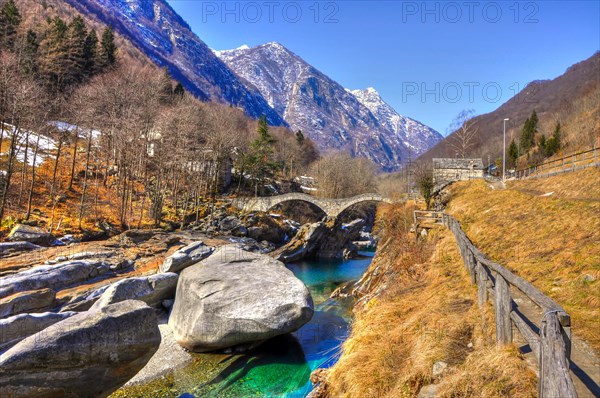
column 158, row 31
column 415, row 135
column 332, row 116
column 266, row 80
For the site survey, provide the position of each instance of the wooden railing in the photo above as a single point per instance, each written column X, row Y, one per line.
column 573, row 162
column 551, row 345
column 426, row 215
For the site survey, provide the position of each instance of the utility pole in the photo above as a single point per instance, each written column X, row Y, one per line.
column 408, row 175
column 504, row 153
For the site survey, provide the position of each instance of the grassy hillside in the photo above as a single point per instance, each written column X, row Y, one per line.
column 425, row 312
column 418, row 307
column 547, row 231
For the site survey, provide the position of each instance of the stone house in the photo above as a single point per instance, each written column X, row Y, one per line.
column 447, row 170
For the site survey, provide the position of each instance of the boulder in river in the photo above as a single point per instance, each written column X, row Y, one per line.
column 90, row 354
column 186, row 256
column 16, row 328
column 28, row 301
column 235, row 298
column 9, row 248
column 151, row 289
column 323, row 239
column 52, row 276
column 26, row 233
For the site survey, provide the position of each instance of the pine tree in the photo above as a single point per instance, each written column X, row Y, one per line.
column 299, row 137
column 527, row 138
column 542, row 145
column 178, row 91
column 10, row 19
column 54, row 54
column 29, row 65
column 76, row 40
column 90, row 53
column 261, row 150
column 108, row 49
column 513, row 153
column 553, row 143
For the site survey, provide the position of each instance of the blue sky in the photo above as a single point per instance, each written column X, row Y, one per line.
column 429, row 60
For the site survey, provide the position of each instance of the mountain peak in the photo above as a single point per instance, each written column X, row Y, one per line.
column 333, row 117
column 275, row 44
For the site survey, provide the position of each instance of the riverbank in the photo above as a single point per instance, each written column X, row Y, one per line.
column 417, row 328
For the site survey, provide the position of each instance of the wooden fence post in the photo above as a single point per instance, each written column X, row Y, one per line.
column 555, row 380
column 471, row 263
column 503, row 309
column 482, row 292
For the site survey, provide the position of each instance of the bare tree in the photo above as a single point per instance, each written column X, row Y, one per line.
column 339, row 175
column 19, row 97
column 464, row 133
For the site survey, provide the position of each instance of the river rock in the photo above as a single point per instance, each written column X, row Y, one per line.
column 84, row 301
column 29, row 301
column 26, row 233
column 439, row 368
column 429, row 391
column 324, row 239
column 8, row 248
column 151, row 289
column 90, row 354
column 55, row 276
column 235, row 297
column 186, row 256
column 16, row 328
column 229, row 223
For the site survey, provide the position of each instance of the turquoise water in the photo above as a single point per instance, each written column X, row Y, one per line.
column 280, row 367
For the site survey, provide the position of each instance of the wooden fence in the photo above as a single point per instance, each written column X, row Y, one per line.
column 426, row 215
column 570, row 163
column 551, row 345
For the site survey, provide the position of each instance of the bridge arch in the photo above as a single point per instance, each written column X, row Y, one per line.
column 331, row 207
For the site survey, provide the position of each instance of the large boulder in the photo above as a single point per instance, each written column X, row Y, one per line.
column 235, row 298
column 304, row 244
column 90, row 354
column 151, row 289
column 56, row 277
column 10, row 248
column 29, row 301
column 26, row 233
column 16, row 328
column 186, row 256
column 324, row 239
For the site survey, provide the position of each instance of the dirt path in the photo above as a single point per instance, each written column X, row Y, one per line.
column 585, row 364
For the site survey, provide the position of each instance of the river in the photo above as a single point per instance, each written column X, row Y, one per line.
column 280, row 367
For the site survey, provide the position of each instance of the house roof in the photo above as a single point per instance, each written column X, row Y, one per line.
column 456, row 163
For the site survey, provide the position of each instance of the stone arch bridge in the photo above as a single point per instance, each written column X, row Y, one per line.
column 331, row 207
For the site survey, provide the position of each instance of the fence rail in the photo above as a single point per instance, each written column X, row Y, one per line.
column 551, row 345
column 570, row 163
column 422, row 215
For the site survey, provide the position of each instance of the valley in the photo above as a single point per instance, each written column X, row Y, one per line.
column 183, row 215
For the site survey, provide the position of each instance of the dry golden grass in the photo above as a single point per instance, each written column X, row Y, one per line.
column 427, row 314
column 552, row 241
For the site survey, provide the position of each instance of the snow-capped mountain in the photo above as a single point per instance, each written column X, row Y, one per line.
column 335, row 118
column 159, row 32
column 415, row 135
